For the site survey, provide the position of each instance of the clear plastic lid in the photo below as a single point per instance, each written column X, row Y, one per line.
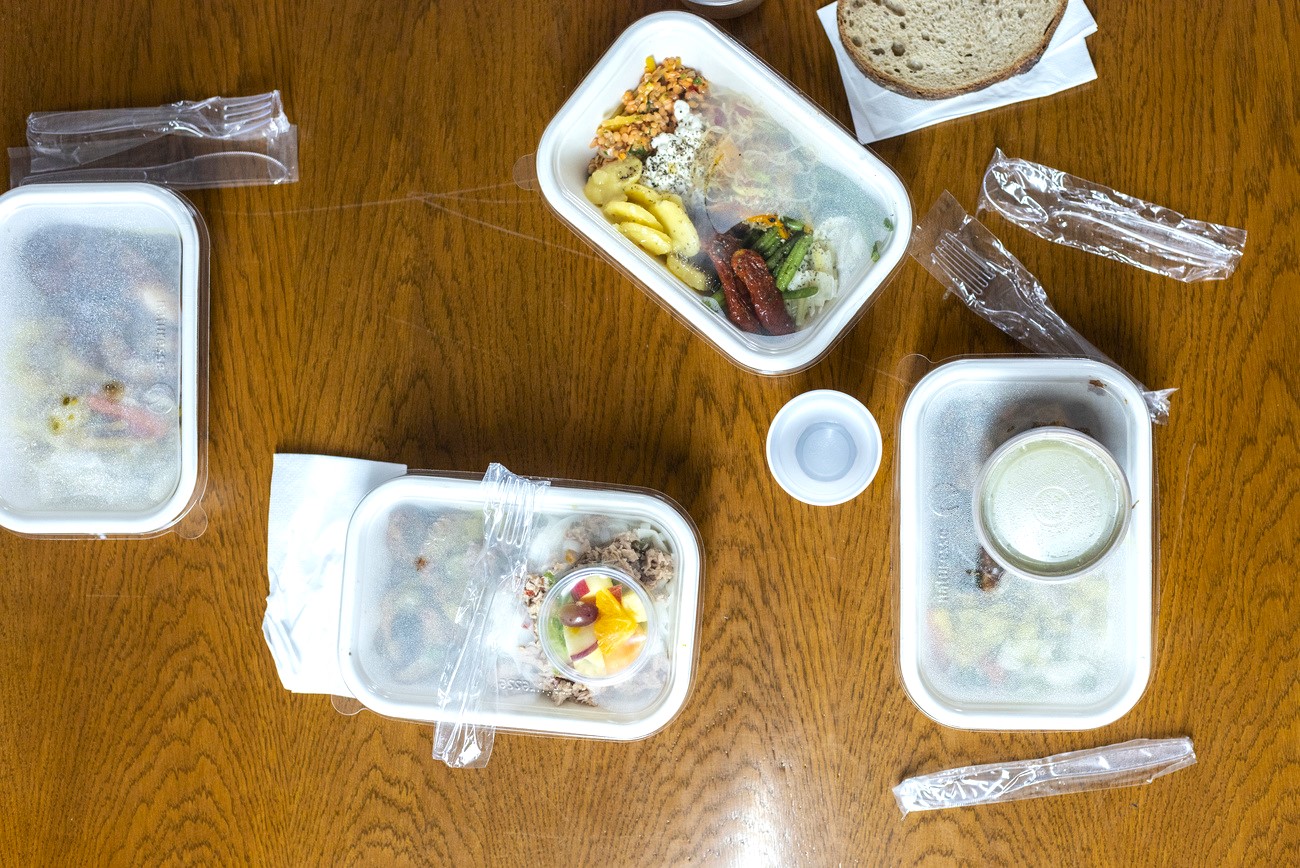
column 102, row 396
column 409, row 546
column 744, row 143
column 981, row 647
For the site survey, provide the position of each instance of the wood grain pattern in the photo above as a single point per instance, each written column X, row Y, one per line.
column 406, row 302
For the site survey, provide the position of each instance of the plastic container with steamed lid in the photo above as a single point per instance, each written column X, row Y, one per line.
column 983, row 648
column 412, row 538
column 103, row 360
column 564, row 152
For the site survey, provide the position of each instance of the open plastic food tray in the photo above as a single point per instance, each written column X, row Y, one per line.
column 521, row 712
column 564, row 152
column 946, row 433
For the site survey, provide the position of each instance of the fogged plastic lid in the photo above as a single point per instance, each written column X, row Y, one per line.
column 409, row 548
column 1051, row 504
column 981, row 647
column 99, row 371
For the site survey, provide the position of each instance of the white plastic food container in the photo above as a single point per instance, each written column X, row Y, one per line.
column 983, row 648
column 410, row 539
column 103, row 355
column 564, row 152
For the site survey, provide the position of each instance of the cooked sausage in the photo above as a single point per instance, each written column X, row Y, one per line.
column 763, row 294
column 737, row 305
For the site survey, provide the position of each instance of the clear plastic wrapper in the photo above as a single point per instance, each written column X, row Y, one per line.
column 1092, row 217
column 1131, row 763
column 974, row 265
column 468, row 685
column 216, row 142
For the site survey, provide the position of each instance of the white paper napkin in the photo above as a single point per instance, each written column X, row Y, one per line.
column 879, row 113
column 312, row 500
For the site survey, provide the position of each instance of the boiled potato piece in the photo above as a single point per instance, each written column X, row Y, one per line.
column 641, row 194
column 606, row 183
column 650, row 240
column 621, row 212
column 679, row 227
column 688, row 273
column 602, row 191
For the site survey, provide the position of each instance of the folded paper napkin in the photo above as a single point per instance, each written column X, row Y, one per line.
column 879, row 113
column 312, row 501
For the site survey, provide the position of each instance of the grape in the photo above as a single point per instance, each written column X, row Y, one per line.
column 578, row 614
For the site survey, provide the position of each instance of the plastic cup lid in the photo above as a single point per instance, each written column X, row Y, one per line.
column 1051, row 504
column 824, row 447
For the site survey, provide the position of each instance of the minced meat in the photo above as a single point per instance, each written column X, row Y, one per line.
column 634, row 556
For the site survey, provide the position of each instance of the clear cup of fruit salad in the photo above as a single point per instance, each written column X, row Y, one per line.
column 597, row 626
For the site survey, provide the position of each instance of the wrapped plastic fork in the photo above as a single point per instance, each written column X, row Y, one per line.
column 467, row 688
column 1095, row 218
column 973, row 265
column 1129, row 764
column 216, row 142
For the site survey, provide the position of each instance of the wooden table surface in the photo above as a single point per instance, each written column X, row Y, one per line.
column 406, row 302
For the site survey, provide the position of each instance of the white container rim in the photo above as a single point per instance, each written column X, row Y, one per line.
column 702, row 44
column 1140, row 471
column 186, row 222
column 560, row 497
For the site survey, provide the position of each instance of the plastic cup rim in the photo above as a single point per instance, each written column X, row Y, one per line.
column 1092, row 445
column 870, row 428
column 566, row 582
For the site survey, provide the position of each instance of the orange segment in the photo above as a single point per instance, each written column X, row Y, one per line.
column 626, row 652
column 617, row 631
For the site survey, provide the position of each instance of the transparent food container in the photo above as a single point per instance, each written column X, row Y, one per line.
column 103, row 359
column 866, row 218
column 409, row 546
column 983, row 647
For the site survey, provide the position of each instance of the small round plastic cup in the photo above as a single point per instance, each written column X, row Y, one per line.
column 1051, row 504
column 720, row 10
column 631, row 603
column 824, row 447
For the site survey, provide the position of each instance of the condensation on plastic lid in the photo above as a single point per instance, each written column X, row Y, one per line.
column 824, row 447
column 1051, row 504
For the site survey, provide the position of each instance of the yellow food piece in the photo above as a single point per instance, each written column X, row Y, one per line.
column 650, row 63
column 652, row 241
column 641, row 194
column 688, row 273
column 620, row 212
column 679, row 227
column 615, row 625
column 606, row 184
column 619, row 121
column 602, row 191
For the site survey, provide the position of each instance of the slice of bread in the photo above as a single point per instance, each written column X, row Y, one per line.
column 935, row 49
